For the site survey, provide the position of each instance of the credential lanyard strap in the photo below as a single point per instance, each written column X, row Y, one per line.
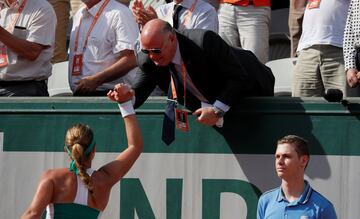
column 96, row 18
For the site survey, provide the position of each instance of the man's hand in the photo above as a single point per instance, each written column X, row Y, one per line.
column 87, row 84
column 121, row 93
column 206, row 116
column 352, row 77
column 142, row 15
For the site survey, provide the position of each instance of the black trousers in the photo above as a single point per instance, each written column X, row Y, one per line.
column 23, row 88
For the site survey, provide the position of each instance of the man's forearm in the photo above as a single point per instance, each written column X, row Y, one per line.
column 22, row 48
column 126, row 62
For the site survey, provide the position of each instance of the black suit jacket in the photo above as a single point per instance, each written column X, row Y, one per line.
column 219, row 71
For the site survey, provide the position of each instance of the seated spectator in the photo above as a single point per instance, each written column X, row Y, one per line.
column 320, row 64
column 182, row 14
column 294, row 198
column 101, row 48
column 27, row 35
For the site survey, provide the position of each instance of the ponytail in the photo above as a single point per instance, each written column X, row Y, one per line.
column 80, row 158
column 79, row 143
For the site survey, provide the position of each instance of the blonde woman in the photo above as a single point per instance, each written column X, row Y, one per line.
column 79, row 191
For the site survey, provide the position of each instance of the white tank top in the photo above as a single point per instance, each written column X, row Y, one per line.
column 82, row 191
column 80, row 198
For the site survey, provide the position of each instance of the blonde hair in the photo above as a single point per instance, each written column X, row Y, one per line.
column 78, row 138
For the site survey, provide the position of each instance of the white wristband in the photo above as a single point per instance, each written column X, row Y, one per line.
column 126, row 108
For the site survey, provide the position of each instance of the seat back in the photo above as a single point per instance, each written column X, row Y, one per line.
column 58, row 82
column 283, row 72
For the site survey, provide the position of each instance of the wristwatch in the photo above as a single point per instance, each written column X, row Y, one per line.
column 218, row 112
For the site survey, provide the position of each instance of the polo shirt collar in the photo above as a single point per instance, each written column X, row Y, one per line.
column 304, row 198
column 280, row 196
column 94, row 9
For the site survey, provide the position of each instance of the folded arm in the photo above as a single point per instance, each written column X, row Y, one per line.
column 23, row 48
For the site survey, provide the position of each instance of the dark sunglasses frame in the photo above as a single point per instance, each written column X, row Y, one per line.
column 155, row 51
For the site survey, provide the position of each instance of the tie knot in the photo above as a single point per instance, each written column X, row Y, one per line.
column 177, row 8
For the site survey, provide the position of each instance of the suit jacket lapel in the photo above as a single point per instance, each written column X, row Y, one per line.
column 193, row 59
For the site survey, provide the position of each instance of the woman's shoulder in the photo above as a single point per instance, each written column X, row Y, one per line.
column 53, row 174
column 99, row 176
column 56, row 171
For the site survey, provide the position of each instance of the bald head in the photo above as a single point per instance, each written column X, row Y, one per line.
column 155, row 29
column 159, row 35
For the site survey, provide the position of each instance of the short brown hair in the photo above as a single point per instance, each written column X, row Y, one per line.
column 300, row 144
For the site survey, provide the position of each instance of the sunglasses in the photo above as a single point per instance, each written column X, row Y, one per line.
column 155, row 51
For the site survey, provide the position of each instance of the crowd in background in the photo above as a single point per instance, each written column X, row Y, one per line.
column 318, row 32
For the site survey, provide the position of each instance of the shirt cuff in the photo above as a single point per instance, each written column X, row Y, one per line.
column 220, row 105
column 220, row 121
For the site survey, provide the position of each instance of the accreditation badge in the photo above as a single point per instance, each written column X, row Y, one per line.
column 313, row 4
column 77, row 65
column 3, row 56
column 181, row 118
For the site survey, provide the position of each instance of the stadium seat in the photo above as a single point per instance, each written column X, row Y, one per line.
column 282, row 70
column 58, row 83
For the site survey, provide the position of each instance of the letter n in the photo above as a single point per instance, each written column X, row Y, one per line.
column 133, row 198
column 211, row 194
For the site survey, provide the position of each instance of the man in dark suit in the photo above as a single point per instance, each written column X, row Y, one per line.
column 216, row 75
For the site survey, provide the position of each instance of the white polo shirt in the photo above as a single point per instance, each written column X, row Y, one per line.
column 38, row 21
column 115, row 30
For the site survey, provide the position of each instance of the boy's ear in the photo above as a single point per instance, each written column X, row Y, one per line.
column 304, row 160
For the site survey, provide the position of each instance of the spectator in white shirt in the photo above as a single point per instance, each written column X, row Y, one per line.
column 101, row 53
